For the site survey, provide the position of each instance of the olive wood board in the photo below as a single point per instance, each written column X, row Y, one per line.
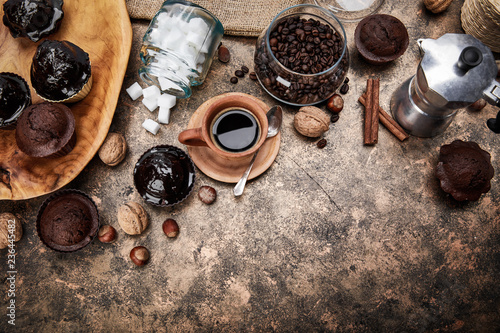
column 225, row 170
column 101, row 28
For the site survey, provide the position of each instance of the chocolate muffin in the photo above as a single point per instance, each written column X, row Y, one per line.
column 34, row 19
column 464, row 170
column 381, row 38
column 60, row 72
column 46, row 130
column 67, row 221
column 164, row 175
column 15, row 96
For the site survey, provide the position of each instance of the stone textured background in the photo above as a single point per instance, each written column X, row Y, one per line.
column 345, row 238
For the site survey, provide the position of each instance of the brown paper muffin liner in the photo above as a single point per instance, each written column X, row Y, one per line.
column 66, row 149
column 78, row 246
column 76, row 97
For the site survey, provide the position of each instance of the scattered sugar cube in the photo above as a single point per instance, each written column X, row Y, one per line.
column 151, row 104
column 151, row 126
column 134, row 91
column 164, row 115
column 151, row 92
column 166, row 100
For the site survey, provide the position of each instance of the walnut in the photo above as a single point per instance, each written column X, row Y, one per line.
column 113, row 149
column 437, row 6
column 311, row 121
column 9, row 225
column 133, row 218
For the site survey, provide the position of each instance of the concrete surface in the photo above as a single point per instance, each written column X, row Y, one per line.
column 341, row 239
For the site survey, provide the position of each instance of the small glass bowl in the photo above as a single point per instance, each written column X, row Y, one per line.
column 307, row 48
column 351, row 10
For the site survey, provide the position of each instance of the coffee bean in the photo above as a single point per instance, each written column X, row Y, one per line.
column 335, row 117
column 321, row 143
column 224, row 54
column 239, row 73
column 234, row 80
column 252, row 76
column 344, row 89
column 244, row 69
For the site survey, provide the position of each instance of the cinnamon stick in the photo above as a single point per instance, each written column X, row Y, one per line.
column 368, row 112
column 375, row 107
column 389, row 123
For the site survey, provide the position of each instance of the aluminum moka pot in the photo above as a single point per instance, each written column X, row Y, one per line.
column 455, row 71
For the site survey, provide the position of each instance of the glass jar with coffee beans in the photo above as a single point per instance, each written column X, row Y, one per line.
column 302, row 57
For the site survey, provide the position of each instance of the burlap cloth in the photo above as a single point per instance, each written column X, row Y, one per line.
column 239, row 17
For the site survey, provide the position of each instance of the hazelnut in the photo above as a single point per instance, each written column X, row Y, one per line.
column 170, row 228
column 223, row 54
column 133, row 218
column 113, row 149
column 437, row 6
column 477, row 105
column 107, row 234
column 207, row 194
column 335, row 103
column 139, row 255
column 311, row 121
column 11, row 226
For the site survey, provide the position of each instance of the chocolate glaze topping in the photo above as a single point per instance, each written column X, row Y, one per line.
column 59, row 70
column 14, row 97
column 164, row 175
column 32, row 18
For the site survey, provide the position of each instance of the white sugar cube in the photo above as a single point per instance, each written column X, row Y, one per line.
column 164, row 115
column 201, row 58
column 151, row 92
column 195, row 39
column 198, row 25
column 173, row 39
column 151, row 126
column 166, row 84
column 151, row 104
column 166, row 100
column 156, row 36
column 134, row 91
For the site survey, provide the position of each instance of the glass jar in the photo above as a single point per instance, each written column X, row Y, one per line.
column 351, row 11
column 302, row 57
column 178, row 47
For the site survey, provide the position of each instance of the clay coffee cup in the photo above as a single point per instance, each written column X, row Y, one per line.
column 233, row 127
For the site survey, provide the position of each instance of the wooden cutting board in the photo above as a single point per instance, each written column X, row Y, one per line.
column 101, row 28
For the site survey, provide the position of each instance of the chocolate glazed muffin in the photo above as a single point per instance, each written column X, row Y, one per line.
column 46, row 130
column 67, row 221
column 61, row 72
column 381, row 38
column 34, row 19
column 15, row 96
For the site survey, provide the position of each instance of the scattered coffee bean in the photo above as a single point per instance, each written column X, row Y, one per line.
column 344, row 89
column 239, row 73
column 334, row 118
column 252, row 76
column 321, row 143
column 306, row 46
column 346, row 80
column 223, row 54
column 234, row 80
column 245, row 69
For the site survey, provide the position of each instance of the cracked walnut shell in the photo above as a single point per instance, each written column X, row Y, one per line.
column 9, row 225
column 133, row 218
column 113, row 149
column 437, row 6
column 311, row 121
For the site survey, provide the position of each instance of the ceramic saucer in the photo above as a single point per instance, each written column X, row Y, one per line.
column 230, row 171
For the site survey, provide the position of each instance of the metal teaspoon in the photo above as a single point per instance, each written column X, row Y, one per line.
column 274, row 118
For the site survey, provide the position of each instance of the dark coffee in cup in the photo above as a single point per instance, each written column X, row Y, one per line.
column 235, row 130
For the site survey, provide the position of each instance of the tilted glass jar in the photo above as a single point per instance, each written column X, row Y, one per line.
column 178, row 47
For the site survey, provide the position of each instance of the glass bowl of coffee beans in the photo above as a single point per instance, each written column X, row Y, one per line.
column 302, row 57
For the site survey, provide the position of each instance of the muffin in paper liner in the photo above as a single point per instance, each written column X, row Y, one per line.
column 46, row 130
column 76, row 97
column 15, row 96
column 464, row 170
column 164, row 175
column 67, row 221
